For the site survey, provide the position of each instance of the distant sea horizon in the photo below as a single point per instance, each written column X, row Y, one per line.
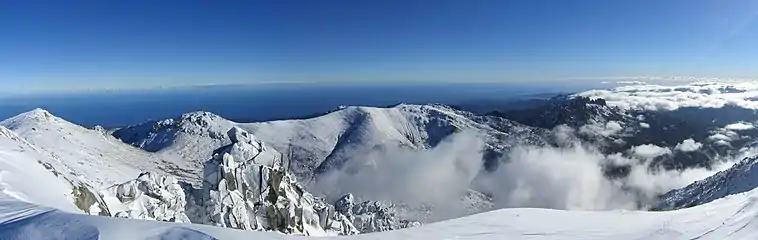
column 263, row 102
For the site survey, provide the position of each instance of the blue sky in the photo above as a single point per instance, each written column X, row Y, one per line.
column 65, row 45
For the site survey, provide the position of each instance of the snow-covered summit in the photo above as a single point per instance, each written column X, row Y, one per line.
column 203, row 123
column 191, row 137
column 37, row 116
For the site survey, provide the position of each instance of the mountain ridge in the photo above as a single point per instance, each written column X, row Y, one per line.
column 330, row 134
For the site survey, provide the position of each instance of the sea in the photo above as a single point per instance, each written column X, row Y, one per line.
column 263, row 102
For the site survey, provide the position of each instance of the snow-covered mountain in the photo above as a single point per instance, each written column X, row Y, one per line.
column 339, row 140
column 244, row 187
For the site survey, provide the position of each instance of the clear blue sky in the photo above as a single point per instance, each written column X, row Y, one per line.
column 60, row 45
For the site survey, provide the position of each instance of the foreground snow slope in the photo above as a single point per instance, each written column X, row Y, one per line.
column 21, row 173
column 727, row 218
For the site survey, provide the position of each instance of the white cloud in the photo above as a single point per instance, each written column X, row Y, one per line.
column 561, row 178
column 740, row 126
column 688, row 145
column 725, row 134
column 436, row 176
column 644, row 125
column 668, row 98
column 568, row 177
column 613, row 126
column 719, row 137
column 609, row 129
column 631, row 83
column 573, row 178
column 649, row 151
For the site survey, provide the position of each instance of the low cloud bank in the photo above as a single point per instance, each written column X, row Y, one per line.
column 568, row 177
column 669, row 98
column 573, row 178
column 439, row 176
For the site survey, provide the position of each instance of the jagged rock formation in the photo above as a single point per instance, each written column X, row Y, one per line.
column 245, row 186
column 149, row 197
column 371, row 216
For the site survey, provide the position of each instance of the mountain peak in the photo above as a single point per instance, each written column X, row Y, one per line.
column 37, row 116
column 199, row 115
column 202, row 120
column 38, row 113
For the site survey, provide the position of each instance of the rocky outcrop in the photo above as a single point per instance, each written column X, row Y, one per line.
column 149, row 197
column 371, row 216
column 246, row 187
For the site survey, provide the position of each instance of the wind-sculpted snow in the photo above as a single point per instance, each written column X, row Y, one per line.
column 149, row 197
